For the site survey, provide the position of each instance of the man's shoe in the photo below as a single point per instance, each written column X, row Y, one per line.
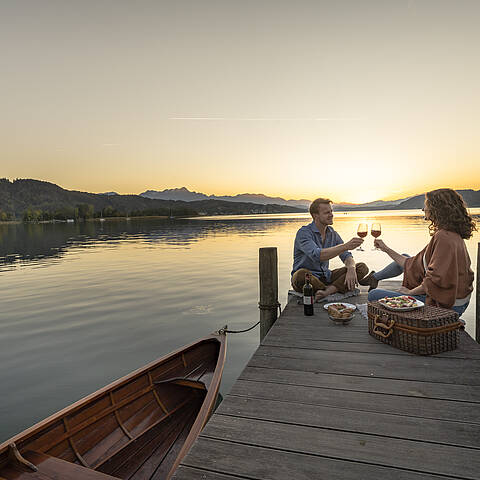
column 369, row 281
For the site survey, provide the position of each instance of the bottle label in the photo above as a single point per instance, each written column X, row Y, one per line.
column 308, row 300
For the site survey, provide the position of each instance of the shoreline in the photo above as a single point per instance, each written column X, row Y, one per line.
column 338, row 213
column 104, row 219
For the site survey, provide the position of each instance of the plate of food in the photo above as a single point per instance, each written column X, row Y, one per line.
column 404, row 303
column 340, row 312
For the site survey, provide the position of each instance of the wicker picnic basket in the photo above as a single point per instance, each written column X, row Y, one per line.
column 424, row 331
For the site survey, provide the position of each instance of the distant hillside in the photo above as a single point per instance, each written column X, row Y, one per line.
column 34, row 199
column 189, row 196
column 471, row 197
column 385, row 203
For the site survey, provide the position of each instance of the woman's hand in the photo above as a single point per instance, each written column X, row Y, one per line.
column 380, row 244
column 404, row 290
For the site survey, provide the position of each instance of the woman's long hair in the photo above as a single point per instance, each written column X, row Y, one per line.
column 447, row 211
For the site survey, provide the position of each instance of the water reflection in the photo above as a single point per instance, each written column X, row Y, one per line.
column 41, row 242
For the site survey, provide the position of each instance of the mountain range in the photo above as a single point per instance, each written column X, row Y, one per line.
column 187, row 196
column 472, row 198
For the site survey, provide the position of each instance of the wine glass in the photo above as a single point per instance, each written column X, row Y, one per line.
column 376, row 231
column 362, row 232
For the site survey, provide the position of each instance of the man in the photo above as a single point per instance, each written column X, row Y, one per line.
column 315, row 245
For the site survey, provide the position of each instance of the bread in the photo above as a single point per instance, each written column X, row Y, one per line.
column 340, row 311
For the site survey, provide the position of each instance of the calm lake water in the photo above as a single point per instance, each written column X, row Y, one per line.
column 84, row 304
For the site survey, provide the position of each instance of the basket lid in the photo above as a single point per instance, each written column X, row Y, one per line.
column 427, row 312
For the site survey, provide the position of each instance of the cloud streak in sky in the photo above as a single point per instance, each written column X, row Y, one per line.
column 274, row 119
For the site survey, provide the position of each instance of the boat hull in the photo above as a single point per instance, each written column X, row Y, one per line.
column 139, row 427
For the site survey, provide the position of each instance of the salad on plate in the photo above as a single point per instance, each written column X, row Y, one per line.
column 403, row 302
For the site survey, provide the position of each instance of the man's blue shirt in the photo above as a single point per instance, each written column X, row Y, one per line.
column 307, row 248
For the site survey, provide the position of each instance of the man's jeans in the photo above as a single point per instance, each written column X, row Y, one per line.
column 337, row 279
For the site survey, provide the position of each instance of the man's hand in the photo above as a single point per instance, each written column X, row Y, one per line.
column 404, row 290
column 354, row 243
column 380, row 244
column 351, row 280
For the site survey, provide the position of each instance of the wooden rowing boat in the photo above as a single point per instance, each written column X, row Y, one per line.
column 137, row 428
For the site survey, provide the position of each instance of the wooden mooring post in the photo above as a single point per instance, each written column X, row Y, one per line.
column 477, row 305
column 268, row 277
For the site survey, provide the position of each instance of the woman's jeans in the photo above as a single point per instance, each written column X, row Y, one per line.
column 393, row 270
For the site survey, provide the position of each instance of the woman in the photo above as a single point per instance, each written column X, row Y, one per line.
column 440, row 274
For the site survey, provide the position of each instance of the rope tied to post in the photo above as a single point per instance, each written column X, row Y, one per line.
column 273, row 306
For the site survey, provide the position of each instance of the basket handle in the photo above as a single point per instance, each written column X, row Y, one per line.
column 377, row 323
column 383, row 325
column 380, row 325
column 377, row 331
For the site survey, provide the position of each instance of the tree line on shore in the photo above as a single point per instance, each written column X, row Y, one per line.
column 86, row 211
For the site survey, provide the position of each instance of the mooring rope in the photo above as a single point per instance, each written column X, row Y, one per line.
column 261, row 307
column 240, row 331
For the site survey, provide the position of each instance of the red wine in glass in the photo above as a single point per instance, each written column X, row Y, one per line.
column 376, row 231
column 362, row 232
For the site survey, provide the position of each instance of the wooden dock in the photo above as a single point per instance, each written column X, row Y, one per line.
column 324, row 401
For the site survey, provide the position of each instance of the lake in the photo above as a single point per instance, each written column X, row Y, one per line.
column 86, row 303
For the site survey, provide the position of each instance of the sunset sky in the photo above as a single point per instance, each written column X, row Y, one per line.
column 355, row 100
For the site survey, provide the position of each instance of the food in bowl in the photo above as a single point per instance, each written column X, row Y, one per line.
column 339, row 311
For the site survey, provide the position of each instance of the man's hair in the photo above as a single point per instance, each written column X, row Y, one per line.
column 316, row 203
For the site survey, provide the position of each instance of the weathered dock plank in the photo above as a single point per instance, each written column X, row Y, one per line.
column 461, row 393
column 404, row 367
column 189, row 473
column 377, row 402
column 260, row 463
column 344, row 445
column 319, row 400
column 278, row 339
column 360, row 421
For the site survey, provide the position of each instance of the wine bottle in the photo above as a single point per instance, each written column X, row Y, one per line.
column 307, row 296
